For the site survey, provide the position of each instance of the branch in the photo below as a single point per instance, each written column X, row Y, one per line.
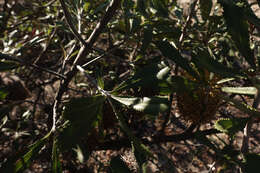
column 188, row 21
column 126, row 143
column 84, row 50
column 70, row 23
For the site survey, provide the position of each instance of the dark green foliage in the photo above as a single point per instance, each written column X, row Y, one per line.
column 81, row 113
column 231, row 126
column 148, row 53
column 205, row 60
column 238, row 29
column 24, row 162
column 173, row 54
column 152, row 75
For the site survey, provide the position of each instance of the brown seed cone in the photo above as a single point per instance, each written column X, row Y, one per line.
column 200, row 105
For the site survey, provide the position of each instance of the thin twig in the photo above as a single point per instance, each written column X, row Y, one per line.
column 46, row 46
column 93, row 82
column 104, row 54
column 84, row 50
column 20, row 61
column 70, row 23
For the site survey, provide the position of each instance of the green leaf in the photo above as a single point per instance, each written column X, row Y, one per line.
column 149, row 76
column 231, row 126
column 172, row 53
column 165, row 29
column 205, row 60
column 180, row 84
column 238, row 29
column 100, row 81
column 225, row 80
column 141, row 158
column 26, row 160
column 137, row 145
column 56, row 165
column 242, row 106
column 81, row 113
column 117, row 165
column 3, row 94
column 240, row 90
column 252, row 162
column 4, row 66
column 83, row 110
column 205, row 8
column 152, row 106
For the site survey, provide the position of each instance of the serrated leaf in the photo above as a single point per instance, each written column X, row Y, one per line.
column 238, row 29
column 240, row 90
column 153, row 105
column 81, row 113
column 172, row 53
column 231, row 126
column 242, row 106
column 205, row 60
column 4, row 66
column 117, row 165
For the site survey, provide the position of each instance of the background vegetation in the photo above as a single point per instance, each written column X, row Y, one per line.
column 129, row 86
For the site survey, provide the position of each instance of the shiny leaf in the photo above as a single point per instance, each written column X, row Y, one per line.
column 172, row 53
column 240, row 90
column 153, row 105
